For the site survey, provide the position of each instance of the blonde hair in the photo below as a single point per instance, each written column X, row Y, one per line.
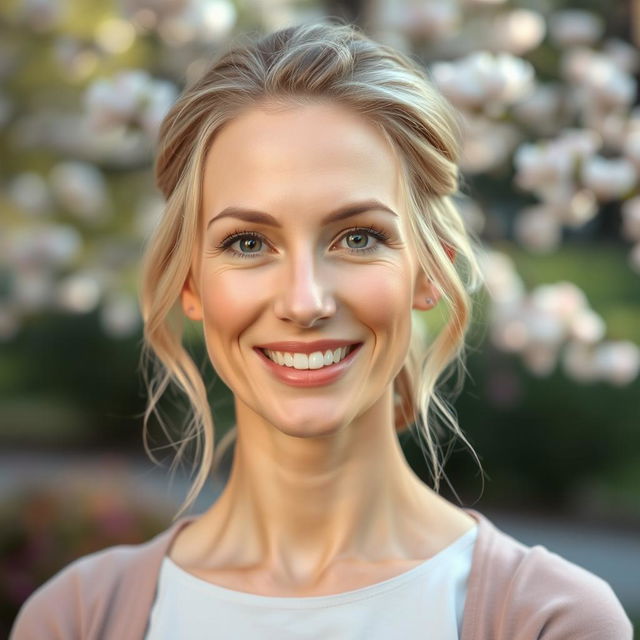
column 300, row 64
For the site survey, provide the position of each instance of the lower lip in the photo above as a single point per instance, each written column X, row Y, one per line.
column 308, row 377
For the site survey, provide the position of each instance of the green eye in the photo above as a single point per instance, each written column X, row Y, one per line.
column 249, row 244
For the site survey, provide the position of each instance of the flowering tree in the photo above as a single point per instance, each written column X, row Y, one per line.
column 548, row 111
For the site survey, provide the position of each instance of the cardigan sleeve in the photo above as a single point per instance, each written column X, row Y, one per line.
column 106, row 595
column 100, row 596
column 54, row 611
column 554, row 599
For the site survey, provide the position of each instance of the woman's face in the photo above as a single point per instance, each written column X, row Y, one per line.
column 303, row 239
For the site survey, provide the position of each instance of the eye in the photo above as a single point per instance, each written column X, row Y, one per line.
column 364, row 239
column 249, row 244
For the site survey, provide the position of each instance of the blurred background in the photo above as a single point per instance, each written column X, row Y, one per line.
column 549, row 96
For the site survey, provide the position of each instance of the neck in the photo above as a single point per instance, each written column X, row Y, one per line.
column 295, row 506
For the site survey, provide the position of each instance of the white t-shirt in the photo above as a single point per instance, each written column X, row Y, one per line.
column 425, row 602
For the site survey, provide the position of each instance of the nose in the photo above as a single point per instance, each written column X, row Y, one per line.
column 303, row 297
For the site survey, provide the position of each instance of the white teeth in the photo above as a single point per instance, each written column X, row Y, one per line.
column 315, row 360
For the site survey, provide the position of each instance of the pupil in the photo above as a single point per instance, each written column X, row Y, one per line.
column 357, row 236
column 250, row 243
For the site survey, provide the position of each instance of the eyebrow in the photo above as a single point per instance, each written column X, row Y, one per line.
column 345, row 211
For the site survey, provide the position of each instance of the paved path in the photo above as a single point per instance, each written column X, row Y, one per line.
column 611, row 554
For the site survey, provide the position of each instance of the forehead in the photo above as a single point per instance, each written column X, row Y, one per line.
column 300, row 156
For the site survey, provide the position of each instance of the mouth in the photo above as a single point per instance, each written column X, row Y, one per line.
column 313, row 361
column 315, row 369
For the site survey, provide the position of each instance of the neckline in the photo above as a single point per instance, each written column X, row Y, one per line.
column 244, row 597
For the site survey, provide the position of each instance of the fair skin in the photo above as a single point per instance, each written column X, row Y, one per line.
column 320, row 499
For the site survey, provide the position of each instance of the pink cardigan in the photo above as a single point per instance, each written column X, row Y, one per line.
column 514, row 592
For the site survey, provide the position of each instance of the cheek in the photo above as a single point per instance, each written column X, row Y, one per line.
column 382, row 297
column 383, row 287
column 229, row 298
column 231, row 302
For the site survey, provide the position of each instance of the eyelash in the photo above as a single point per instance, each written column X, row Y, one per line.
column 225, row 245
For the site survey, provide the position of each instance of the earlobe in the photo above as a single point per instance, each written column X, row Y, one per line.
column 425, row 295
column 191, row 304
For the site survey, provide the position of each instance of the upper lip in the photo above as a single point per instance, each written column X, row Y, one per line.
column 306, row 347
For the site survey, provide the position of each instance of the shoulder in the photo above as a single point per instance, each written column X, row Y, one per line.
column 77, row 601
column 568, row 596
column 536, row 593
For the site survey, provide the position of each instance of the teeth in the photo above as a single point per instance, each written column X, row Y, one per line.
column 315, row 360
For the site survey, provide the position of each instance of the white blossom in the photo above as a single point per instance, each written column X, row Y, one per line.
column 81, row 189
column 521, row 30
column 78, row 293
column 576, row 63
column 128, row 98
column 600, row 79
column 540, row 359
column 115, row 35
column 577, row 208
column 160, row 97
column 617, row 362
column 587, row 327
column 538, row 165
column 120, row 316
column 562, row 300
column 547, row 167
column 41, row 15
column 30, row 192
column 609, row 85
column 199, row 21
column 32, row 289
column 609, row 178
column 486, row 144
column 482, row 78
column 631, row 146
column 581, row 143
column 578, row 362
column 537, row 228
column 622, row 54
column 472, row 214
column 502, row 281
column 613, row 126
column 575, row 27
column 116, row 101
column 509, row 330
column 544, row 327
column 46, row 245
column 147, row 216
column 540, row 108
column 555, row 319
column 412, row 18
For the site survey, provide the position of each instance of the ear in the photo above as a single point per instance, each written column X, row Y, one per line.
column 190, row 299
column 425, row 293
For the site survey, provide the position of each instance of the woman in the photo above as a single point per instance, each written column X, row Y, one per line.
column 308, row 178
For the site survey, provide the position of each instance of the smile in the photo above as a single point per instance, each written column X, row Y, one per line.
column 315, row 360
column 315, row 365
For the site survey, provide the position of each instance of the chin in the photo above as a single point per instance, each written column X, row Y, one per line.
column 309, row 426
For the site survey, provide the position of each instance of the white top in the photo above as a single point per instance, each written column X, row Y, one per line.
column 424, row 602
